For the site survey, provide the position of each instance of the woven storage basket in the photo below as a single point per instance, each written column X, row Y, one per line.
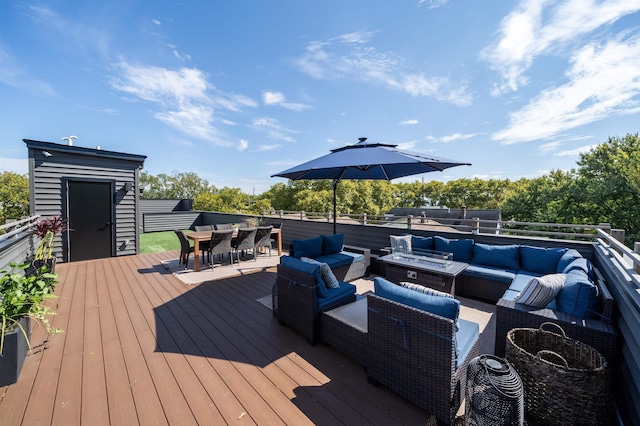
column 566, row 382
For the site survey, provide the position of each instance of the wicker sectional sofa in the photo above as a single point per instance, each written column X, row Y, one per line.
column 499, row 273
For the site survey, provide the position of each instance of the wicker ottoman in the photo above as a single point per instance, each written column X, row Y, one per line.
column 345, row 328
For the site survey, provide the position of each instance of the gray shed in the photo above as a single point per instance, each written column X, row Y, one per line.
column 95, row 190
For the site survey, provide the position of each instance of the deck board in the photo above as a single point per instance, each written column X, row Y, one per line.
column 141, row 347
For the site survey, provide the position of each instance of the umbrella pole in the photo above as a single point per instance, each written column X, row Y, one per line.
column 335, row 185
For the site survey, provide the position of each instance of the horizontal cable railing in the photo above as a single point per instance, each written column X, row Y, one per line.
column 16, row 227
column 474, row 225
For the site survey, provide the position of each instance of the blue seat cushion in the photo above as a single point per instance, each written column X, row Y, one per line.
column 539, row 259
column 466, row 336
column 443, row 306
column 489, row 273
column 336, row 296
column 568, row 257
column 311, row 247
column 510, row 295
column 462, row 249
column 332, row 244
column 507, row 256
column 421, row 243
column 337, row 260
column 579, row 296
column 309, row 269
column 521, row 280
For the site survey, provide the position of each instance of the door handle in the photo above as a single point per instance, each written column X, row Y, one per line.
column 106, row 225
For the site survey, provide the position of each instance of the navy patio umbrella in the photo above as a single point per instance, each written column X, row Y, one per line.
column 376, row 161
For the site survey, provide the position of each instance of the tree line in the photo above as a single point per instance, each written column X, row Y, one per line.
column 604, row 187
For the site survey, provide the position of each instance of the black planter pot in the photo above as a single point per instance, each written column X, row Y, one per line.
column 13, row 354
column 37, row 264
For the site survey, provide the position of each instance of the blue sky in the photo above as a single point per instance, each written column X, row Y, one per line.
column 239, row 90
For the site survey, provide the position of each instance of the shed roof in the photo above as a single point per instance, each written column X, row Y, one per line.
column 50, row 146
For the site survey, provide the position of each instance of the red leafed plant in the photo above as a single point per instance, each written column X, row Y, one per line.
column 46, row 229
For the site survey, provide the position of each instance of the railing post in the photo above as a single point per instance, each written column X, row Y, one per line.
column 302, row 215
column 409, row 219
column 364, row 218
column 636, row 249
column 281, row 213
column 475, row 225
column 423, row 216
column 329, row 217
column 618, row 234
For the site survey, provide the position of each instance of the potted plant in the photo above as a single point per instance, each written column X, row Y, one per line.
column 22, row 299
column 46, row 230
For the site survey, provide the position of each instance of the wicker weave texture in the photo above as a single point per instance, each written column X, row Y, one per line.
column 479, row 288
column 412, row 352
column 346, row 339
column 397, row 273
column 557, row 393
column 297, row 302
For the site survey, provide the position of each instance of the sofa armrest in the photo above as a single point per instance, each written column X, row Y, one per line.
column 360, row 250
column 600, row 335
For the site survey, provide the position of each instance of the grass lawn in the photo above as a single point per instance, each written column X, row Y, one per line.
column 153, row 242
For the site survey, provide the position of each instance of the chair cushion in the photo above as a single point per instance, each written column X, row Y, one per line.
column 332, row 244
column 401, row 243
column 306, row 268
column 336, row 296
column 336, row 260
column 466, row 336
column 447, row 307
column 328, row 277
column 581, row 264
column 539, row 259
column 568, row 257
column 462, row 249
column 539, row 292
column 507, row 256
column 579, row 296
column 311, row 247
column 489, row 273
column 419, row 243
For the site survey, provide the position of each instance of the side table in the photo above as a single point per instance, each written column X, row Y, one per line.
column 345, row 328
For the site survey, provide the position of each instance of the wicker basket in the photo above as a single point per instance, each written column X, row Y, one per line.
column 565, row 381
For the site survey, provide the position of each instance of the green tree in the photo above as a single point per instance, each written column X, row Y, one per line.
column 609, row 176
column 14, row 196
column 174, row 186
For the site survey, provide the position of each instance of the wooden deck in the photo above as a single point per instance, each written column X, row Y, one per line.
column 140, row 347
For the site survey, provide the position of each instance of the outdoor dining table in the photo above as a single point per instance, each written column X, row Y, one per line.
column 206, row 236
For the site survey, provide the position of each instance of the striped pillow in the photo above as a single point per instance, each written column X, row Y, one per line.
column 425, row 290
column 327, row 274
column 539, row 292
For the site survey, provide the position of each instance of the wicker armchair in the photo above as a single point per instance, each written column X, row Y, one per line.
column 598, row 333
column 412, row 352
column 295, row 298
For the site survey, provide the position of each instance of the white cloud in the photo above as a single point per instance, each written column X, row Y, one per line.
column 358, row 37
column 277, row 98
column 548, row 147
column 407, row 146
column 273, row 129
column 244, row 144
column 408, row 122
column 268, row 147
column 186, row 99
column 433, row 4
column 576, row 151
column 603, row 81
column 356, row 62
column 156, row 22
column 452, row 137
column 538, row 27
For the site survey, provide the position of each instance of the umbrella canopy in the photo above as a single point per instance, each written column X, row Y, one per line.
column 376, row 161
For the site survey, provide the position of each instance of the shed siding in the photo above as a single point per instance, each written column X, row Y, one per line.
column 49, row 175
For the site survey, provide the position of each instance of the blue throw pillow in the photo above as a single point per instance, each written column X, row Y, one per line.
column 421, row 243
column 332, row 244
column 568, row 257
column 579, row 296
column 507, row 257
column 462, row 249
column 311, row 247
column 447, row 307
column 539, row 259
column 306, row 268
